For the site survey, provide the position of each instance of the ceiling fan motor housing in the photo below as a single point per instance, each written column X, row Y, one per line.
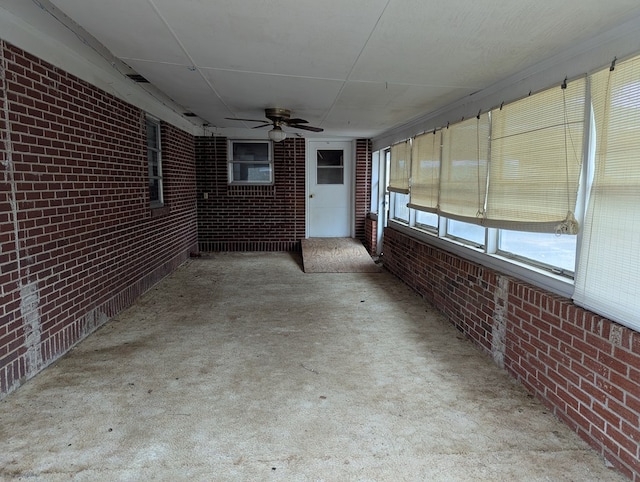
column 277, row 114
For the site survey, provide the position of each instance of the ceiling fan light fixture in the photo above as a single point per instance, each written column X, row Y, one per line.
column 277, row 134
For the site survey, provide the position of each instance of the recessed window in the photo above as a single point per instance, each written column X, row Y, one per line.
column 154, row 161
column 250, row 162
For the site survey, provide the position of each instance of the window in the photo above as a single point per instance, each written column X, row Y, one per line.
column 536, row 160
column 545, row 249
column 608, row 267
column 506, row 182
column 466, row 232
column 330, row 168
column 154, row 160
column 399, row 167
column 425, row 172
column 428, row 221
column 399, row 208
column 463, row 177
column 250, row 162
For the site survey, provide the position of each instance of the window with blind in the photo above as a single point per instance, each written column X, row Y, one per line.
column 609, row 265
column 399, row 168
column 425, row 172
column 463, row 177
column 520, row 168
column 536, row 158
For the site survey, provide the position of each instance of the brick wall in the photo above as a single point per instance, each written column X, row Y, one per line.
column 79, row 242
column 264, row 218
column 371, row 235
column 363, row 186
column 584, row 368
column 251, row 218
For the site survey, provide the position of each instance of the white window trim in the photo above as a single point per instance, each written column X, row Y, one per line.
column 231, row 162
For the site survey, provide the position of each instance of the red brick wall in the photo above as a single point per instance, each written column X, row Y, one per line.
column 79, row 242
column 584, row 368
column 371, row 236
column 363, row 186
column 251, row 218
column 264, row 218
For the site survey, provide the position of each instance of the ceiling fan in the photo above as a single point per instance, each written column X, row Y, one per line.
column 279, row 117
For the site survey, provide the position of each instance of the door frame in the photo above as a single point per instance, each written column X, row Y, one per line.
column 309, row 163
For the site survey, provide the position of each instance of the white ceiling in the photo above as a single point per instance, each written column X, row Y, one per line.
column 356, row 68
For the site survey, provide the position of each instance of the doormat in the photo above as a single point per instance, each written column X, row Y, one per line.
column 336, row 255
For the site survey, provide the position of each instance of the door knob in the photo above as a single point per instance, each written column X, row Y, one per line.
column 310, row 195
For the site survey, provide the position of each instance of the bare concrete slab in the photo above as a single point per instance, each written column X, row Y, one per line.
column 241, row 367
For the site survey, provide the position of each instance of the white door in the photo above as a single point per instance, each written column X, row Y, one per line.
column 329, row 194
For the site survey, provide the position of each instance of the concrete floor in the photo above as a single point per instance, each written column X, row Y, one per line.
column 242, row 367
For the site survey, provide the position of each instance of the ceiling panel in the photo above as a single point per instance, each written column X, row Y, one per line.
column 130, row 29
column 377, row 95
column 378, row 105
column 302, row 38
column 305, row 97
column 188, row 87
column 477, row 43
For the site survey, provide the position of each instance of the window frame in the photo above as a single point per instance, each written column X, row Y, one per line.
column 157, row 150
column 231, row 162
column 395, row 205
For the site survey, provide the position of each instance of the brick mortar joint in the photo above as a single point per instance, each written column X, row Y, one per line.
column 9, row 175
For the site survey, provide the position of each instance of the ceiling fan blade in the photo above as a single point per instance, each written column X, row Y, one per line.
column 307, row 128
column 296, row 121
column 263, row 125
column 248, row 120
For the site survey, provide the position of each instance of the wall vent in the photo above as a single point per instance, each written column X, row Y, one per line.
column 138, row 78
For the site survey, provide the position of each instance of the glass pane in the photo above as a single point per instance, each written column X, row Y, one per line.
column 251, row 172
column 152, row 157
column 330, row 157
column 547, row 248
column 330, row 175
column 426, row 219
column 152, row 134
column 466, row 231
column 154, row 189
column 250, row 151
column 401, row 211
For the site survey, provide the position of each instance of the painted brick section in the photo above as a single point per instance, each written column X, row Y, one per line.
column 79, row 242
column 584, row 368
column 363, row 186
column 250, row 218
